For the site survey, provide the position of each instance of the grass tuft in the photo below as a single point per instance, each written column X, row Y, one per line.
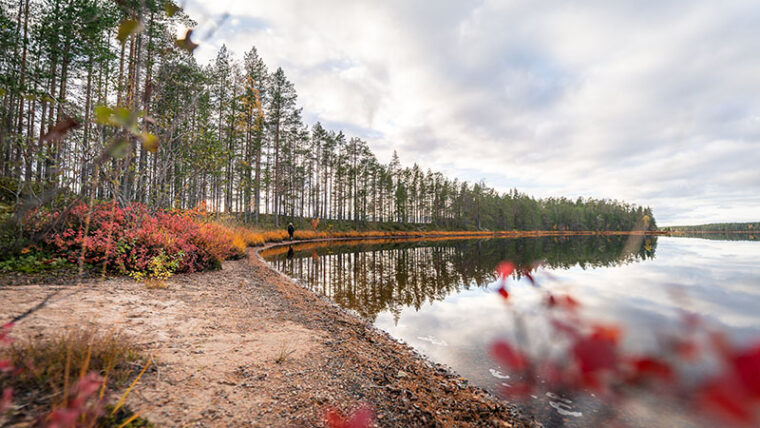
column 285, row 352
column 52, row 365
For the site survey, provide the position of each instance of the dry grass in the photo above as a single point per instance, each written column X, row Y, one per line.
column 286, row 351
column 52, row 366
column 155, row 284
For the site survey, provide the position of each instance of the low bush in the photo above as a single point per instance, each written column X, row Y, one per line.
column 31, row 260
column 132, row 239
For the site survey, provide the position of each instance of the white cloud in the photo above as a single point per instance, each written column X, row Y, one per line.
column 651, row 102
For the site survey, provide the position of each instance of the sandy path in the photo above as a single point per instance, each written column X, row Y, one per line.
column 217, row 336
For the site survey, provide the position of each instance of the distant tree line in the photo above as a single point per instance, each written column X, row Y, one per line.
column 748, row 227
column 101, row 100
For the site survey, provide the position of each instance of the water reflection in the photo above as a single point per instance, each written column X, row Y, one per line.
column 437, row 296
column 372, row 277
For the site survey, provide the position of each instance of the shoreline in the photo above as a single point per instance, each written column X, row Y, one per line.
column 249, row 346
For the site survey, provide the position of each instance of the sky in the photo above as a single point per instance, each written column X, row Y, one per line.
column 651, row 102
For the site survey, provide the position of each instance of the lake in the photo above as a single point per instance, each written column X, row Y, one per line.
column 439, row 296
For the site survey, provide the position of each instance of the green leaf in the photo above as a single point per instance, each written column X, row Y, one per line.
column 171, row 8
column 2, row 92
column 126, row 28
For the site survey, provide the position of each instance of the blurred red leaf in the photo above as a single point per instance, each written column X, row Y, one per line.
column 504, row 352
column 563, row 301
column 595, row 353
column 517, row 389
column 565, row 328
column 570, row 302
column 551, row 301
column 5, row 338
column 503, row 291
column 725, row 398
column 334, row 418
column 606, row 332
column 362, row 417
column 650, row 367
column 530, row 277
column 747, row 367
column 504, row 269
column 65, row 417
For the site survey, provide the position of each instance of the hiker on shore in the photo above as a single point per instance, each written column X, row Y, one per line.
column 291, row 230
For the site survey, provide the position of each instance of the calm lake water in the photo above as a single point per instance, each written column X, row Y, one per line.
column 439, row 296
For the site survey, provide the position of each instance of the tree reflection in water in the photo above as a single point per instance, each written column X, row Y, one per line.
column 373, row 276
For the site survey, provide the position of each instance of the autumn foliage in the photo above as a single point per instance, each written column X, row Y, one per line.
column 127, row 239
column 582, row 356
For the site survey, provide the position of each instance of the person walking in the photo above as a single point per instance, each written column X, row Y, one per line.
column 291, row 230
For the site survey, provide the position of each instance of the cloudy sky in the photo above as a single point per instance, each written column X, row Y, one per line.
column 653, row 102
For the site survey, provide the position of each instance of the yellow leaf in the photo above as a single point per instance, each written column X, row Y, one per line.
column 126, row 28
column 103, row 115
column 123, row 116
column 150, row 142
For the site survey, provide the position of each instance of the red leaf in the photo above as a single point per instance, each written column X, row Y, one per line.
column 725, row 398
column 595, row 353
column 551, row 301
column 747, row 368
column 504, row 269
column 570, row 302
column 564, row 301
column 503, row 291
column 504, row 352
column 565, row 328
column 650, row 367
column 530, row 277
column 5, row 339
column 608, row 333
column 362, row 417
column 65, row 417
column 334, row 418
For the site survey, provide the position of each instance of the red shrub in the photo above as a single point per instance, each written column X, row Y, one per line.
column 126, row 239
